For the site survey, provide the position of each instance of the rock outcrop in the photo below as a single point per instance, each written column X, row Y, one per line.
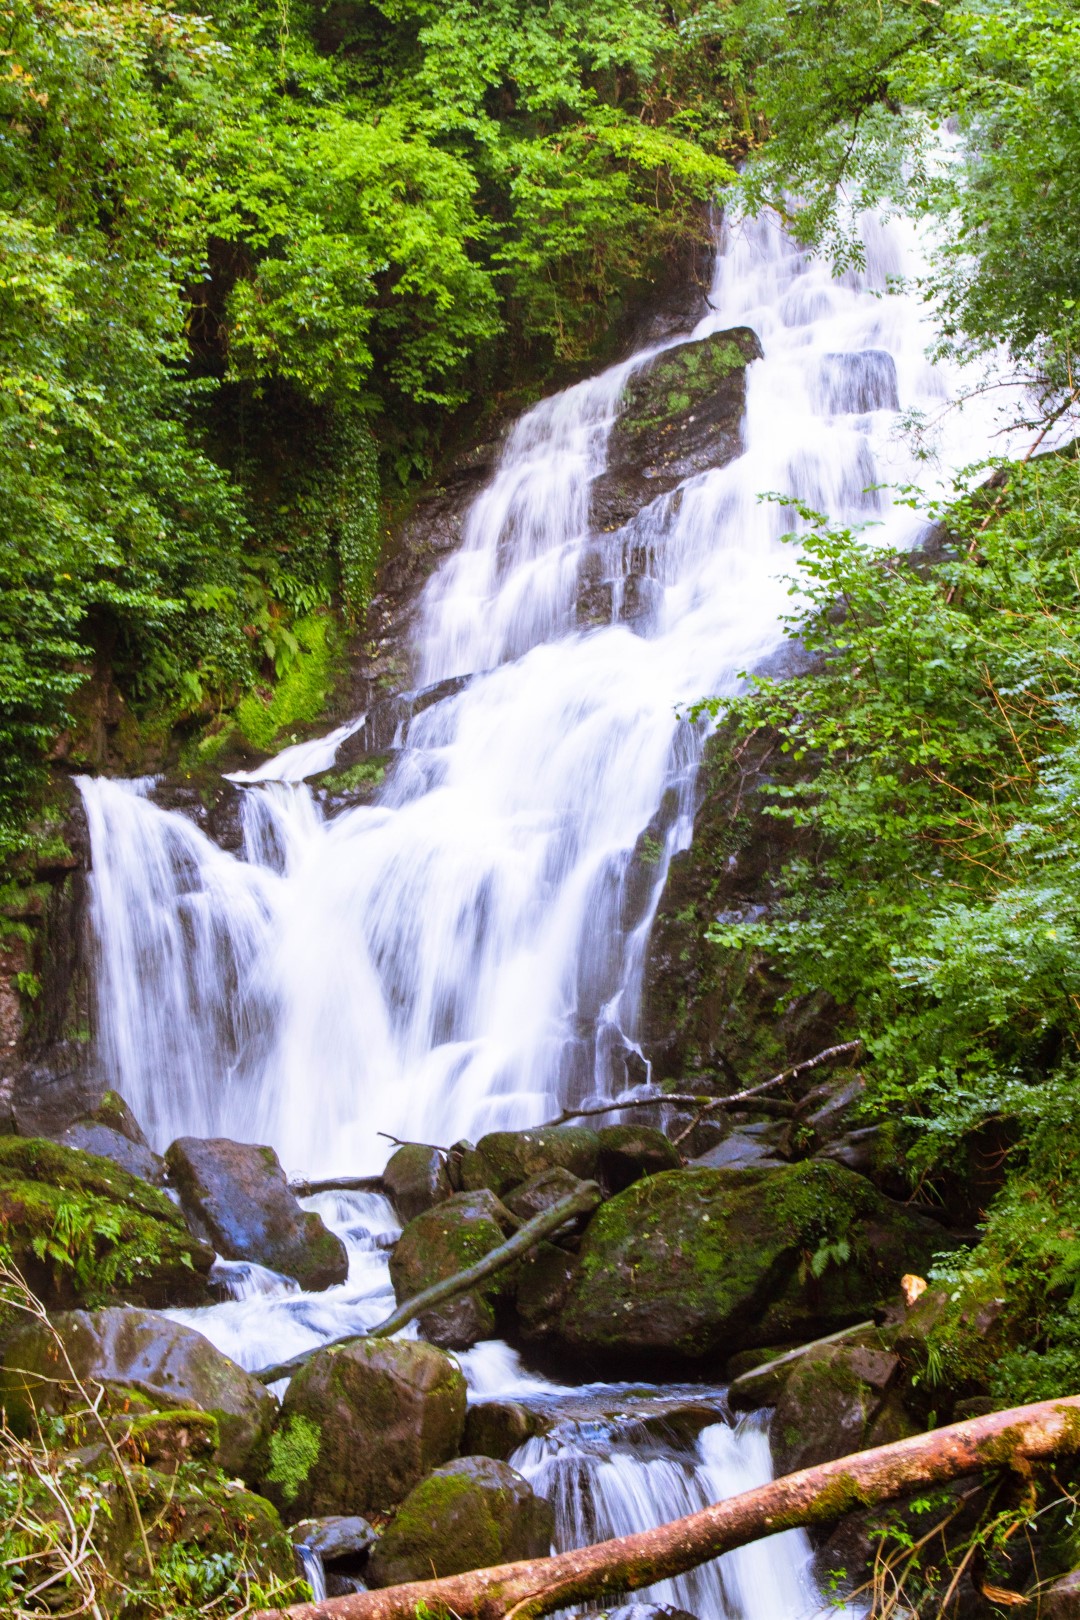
column 85, row 1232
column 147, row 1364
column 235, row 1195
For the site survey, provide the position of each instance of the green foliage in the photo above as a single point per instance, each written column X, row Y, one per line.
column 305, row 669
column 294, row 1451
column 856, row 99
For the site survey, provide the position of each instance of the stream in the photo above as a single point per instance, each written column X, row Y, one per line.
column 457, row 957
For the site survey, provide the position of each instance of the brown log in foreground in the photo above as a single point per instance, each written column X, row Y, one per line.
column 820, row 1495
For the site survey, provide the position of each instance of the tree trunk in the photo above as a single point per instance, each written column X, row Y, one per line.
column 820, row 1495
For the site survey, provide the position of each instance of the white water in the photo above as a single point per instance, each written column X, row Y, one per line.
column 461, row 955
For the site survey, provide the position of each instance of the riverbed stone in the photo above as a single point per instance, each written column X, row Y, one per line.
column 442, row 1242
column 471, row 1514
column 146, row 1364
column 83, row 1231
column 415, row 1179
column 703, row 1263
column 363, row 1422
column 235, row 1195
column 829, row 1404
column 498, row 1428
column 628, row 1152
column 542, row 1192
column 504, row 1159
column 681, row 413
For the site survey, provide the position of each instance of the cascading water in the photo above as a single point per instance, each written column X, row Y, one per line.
column 464, row 954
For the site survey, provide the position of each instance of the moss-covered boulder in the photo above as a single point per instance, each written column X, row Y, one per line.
column 504, row 1159
column 680, row 414
column 85, row 1232
column 830, row 1405
column 543, row 1192
column 438, row 1244
column 628, row 1152
column 236, row 1196
column 361, row 1423
column 498, row 1428
column 147, row 1364
column 415, row 1179
column 471, row 1514
column 702, row 1263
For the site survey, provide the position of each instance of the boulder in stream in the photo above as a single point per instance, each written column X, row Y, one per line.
column 147, row 1364
column 83, row 1231
column 471, row 1514
column 235, row 1195
column 438, row 1244
column 504, row 1159
column 628, row 1152
column 415, row 1179
column 361, row 1423
column 702, row 1263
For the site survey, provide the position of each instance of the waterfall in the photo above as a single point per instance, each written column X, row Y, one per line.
column 462, row 955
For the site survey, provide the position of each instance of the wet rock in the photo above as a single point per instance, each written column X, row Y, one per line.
column 740, row 1150
column 498, row 1428
column 43, row 1099
column 829, row 1404
column 628, row 1152
column 105, row 1143
column 680, row 414
column 415, row 1179
column 695, row 1263
column 147, row 1364
column 236, row 1196
column 83, row 1231
column 857, row 1150
column 542, row 1192
column 455, row 1158
column 361, row 1423
column 337, row 1538
column 442, row 1242
column 473, row 1513
column 504, row 1159
column 208, row 798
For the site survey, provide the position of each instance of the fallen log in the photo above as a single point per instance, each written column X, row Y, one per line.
column 534, row 1587
column 582, row 1201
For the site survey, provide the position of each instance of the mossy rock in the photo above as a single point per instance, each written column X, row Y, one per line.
column 829, row 1404
column 361, row 1423
column 504, row 1159
column 83, row 1231
column 474, row 1513
column 438, row 1244
column 147, row 1365
column 628, row 1152
column 415, row 1179
column 703, row 1263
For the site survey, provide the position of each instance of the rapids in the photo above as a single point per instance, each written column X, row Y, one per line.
column 458, row 957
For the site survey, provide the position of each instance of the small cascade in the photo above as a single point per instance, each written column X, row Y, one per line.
column 608, row 1478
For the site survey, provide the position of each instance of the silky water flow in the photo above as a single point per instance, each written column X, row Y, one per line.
column 462, row 955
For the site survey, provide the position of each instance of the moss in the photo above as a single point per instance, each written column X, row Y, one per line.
column 300, row 695
column 675, row 382
column 294, row 1451
column 83, row 1231
column 444, row 1240
column 504, row 1159
column 365, row 773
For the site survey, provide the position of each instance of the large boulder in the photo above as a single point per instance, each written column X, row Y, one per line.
column 235, row 1195
column 438, row 1244
column 473, row 1513
column 696, row 1263
column 147, row 1364
column 504, row 1159
column 110, row 1130
column 628, row 1152
column 361, row 1423
column 415, row 1179
column 680, row 414
column 85, row 1232
column 835, row 1401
